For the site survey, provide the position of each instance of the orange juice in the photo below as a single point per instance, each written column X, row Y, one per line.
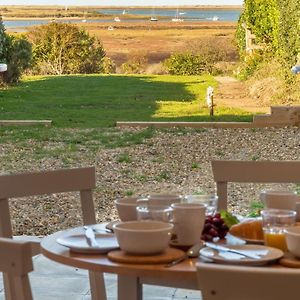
column 276, row 240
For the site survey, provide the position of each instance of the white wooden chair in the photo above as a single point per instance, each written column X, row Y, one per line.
column 16, row 263
column 227, row 282
column 252, row 172
column 50, row 182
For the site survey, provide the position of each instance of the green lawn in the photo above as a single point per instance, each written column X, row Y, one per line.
column 93, row 101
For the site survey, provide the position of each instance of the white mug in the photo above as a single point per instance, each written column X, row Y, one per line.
column 188, row 220
column 279, row 199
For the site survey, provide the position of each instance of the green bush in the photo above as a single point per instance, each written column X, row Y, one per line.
column 65, row 49
column 18, row 58
column 137, row 63
column 249, row 66
column 108, row 66
column 4, row 42
column 186, row 64
column 15, row 51
column 276, row 26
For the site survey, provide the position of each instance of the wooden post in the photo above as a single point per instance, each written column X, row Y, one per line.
column 210, row 100
column 3, row 68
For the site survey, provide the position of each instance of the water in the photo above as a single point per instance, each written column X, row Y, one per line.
column 167, row 14
column 188, row 14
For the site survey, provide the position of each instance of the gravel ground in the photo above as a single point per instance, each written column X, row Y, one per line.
column 170, row 161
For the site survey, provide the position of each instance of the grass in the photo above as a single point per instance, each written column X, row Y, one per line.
column 95, row 101
column 254, row 208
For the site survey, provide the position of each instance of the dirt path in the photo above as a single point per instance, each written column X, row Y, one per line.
column 233, row 93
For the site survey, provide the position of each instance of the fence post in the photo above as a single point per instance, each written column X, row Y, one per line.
column 3, row 68
column 210, row 100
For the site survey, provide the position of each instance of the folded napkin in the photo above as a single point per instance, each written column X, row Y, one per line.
column 235, row 256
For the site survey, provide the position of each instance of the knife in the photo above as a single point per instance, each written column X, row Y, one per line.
column 225, row 249
column 90, row 236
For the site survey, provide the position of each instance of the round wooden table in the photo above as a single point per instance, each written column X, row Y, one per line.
column 130, row 276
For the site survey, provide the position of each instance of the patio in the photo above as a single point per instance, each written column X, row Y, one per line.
column 53, row 281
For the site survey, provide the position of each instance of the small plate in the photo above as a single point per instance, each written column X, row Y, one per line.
column 272, row 255
column 78, row 243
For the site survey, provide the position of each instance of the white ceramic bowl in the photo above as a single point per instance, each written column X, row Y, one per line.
column 292, row 235
column 126, row 208
column 143, row 237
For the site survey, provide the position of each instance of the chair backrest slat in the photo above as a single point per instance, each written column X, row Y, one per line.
column 87, row 206
column 47, row 182
column 252, row 171
column 256, row 171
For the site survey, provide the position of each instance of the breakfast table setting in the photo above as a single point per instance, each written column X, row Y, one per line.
column 160, row 238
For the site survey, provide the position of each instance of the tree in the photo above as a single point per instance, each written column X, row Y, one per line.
column 65, row 49
column 276, row 25
column 4, row 42
column 15, row 51
column 18, row 58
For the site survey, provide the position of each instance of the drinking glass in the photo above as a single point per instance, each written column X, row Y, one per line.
column 209, row 201
column 153, row 212
column 275, row 222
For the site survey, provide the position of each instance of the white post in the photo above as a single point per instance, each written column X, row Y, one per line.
column 210, row 100
column 296, row 69
column 3, row 68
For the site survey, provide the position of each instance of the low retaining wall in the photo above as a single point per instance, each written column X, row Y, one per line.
column 280, row 116
column 25, row 122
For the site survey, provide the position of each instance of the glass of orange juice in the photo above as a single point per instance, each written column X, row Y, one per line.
column 275, row 222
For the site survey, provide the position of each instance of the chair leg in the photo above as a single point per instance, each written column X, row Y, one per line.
column 17, row 287
column 129, row 288
column 97, row 286
column 7, row 287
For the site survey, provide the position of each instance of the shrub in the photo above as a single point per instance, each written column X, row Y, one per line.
column 18, row 58
column 15, row 51
column 156, row 69
column 65, row 49
column 250, row 64
column 108, row 66
column 275, row 24
column 136, row 63
column 186, row 64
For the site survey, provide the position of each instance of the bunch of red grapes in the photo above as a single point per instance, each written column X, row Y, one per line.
column 214, row 228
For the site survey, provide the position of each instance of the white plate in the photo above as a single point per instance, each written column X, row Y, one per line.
column 272, row 255
column 78, row 243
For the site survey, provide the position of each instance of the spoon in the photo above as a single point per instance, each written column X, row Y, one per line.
column 192, row 252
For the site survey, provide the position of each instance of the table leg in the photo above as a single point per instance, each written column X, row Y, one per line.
column 97, row 286
column 129, row 288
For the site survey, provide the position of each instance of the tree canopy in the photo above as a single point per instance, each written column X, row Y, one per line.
column 60, row 48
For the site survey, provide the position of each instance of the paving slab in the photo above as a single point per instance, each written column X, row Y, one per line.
column 187, row 294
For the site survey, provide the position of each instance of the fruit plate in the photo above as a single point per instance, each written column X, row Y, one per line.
column 222, row 257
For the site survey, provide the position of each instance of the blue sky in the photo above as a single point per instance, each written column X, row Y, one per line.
column 122, row 2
